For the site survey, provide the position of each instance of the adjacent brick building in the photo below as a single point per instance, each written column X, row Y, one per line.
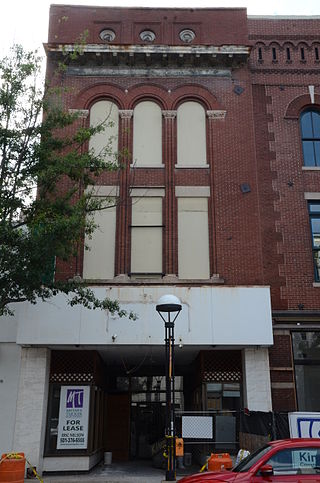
column 218, row 202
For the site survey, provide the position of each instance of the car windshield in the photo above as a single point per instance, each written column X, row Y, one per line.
column 250, row 460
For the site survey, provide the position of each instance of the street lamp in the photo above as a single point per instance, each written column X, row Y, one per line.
column 169, row 307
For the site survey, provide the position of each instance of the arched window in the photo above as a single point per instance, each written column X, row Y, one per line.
column 105, row 143
column 191, row 135
column 147, row 134
column 310, row 136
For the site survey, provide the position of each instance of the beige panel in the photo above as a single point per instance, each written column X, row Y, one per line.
column 191, row 132
column 147, row 211
column 98, row 262
column 106, row 142
column 147, row 134
column 148, row 191
column 193, row 238
column 146, row 250
column 192, row 191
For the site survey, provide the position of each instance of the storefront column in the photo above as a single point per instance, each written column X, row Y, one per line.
column 30, row 426
column 256, row 375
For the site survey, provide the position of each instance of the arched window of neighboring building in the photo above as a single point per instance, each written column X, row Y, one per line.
column 310, row 136
column 191, row 135
column 147, row 134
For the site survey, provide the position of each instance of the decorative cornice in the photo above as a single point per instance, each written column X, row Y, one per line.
column 216, row 114
column 126, row 113
column 82, row 113
column 169, row 114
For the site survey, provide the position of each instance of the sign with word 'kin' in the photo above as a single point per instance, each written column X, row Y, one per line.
column 73, row 417
column 304, row 425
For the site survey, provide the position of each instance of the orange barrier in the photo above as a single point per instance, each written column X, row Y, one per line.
column 12, row 468
column 219, row 461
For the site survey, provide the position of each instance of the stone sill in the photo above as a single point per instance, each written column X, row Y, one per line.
column 166, row 280
column 310, row 168
column 316, row 284
column 179, row 166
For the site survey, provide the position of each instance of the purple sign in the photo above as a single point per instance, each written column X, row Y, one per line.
column 74, row 398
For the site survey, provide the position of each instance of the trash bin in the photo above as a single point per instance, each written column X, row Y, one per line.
column 107, row 460
column 187, row 459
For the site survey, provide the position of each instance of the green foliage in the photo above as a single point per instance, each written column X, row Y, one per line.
column 42, row 148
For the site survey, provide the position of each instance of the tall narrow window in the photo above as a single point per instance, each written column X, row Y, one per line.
column 316, row 53
column 146, row 236
column 314, row 212
column 147, row 134
column 191, row 126
column 274, row 54
column 302, row 53
column 260, row 53
column 98, row 261
column 288, row 53
column 105, row 143
column 310, row 135
column 193, row 238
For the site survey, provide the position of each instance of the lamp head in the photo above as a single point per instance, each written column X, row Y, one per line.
column 168, row 303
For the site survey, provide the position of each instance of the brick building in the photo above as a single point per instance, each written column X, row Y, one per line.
column 218, row 203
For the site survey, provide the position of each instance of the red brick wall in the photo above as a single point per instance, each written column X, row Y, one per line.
column 217, row 26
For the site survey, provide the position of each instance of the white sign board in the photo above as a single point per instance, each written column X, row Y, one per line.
column 304, row 458
column 197, row 427
column 73, row 417
column 304, row 425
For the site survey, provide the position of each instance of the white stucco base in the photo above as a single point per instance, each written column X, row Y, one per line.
column 256, row 376
column 29, row 430
column 71, row 463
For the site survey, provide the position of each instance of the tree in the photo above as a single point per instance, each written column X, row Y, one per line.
column 42, row 148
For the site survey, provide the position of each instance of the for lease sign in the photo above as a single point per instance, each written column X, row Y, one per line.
column 73, row 417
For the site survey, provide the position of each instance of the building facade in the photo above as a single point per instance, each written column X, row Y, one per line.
column 216, row 117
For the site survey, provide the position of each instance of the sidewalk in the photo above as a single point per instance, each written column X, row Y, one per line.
column 128, row 472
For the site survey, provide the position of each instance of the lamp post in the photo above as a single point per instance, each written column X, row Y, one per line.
column 169, row 307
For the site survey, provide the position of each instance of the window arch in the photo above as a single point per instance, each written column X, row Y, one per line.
column 191, row 135
column 310, row 137
column 105, row 143
column 147, row 134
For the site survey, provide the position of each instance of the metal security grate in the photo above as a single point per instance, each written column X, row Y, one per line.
column 220, row 366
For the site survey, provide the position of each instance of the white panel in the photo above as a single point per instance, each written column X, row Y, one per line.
column 147, row 211
column 193, row 238
column 105, row 142
column 10, row 355
column 197, row 427
column 256, row 372
column 98, row 262
column 191, row 134
column 146, row 250
column 147, row 134
column 238, row 316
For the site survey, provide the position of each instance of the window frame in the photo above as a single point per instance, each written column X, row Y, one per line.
column 306, row 139
column 315, row 250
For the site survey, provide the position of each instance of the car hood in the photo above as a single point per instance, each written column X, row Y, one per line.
column 222, row 476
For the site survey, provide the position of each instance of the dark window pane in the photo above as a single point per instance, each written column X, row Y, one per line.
column 317, row 152
column 308, row 387
column 316, row 124
column 306, row 346
column 308, row 153
column 306, row 125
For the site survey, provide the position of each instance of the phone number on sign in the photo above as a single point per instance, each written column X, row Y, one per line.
column 72, row 440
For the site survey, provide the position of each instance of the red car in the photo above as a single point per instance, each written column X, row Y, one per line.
column 285, row 461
